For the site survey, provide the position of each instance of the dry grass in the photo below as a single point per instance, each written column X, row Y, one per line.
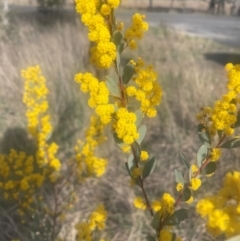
column 189, row 82
column 54, row 42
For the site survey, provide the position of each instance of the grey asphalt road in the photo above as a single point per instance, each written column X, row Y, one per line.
column 224, row 29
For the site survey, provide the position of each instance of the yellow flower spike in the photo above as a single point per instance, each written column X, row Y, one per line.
column 195, row 183
column 136, row 172
column 120, row 26
column 156, row 205
column 131, row 91
column 144, row 156
column 139, row 203
column 165, row 235
column 98, row 217
column 126, row 149
column 132, row 44
column 228, row 131
column 105, row 9
column 85, row 151
column 125, row 127
column 55, row 164
column 194, row 169
column 39, row 124
column 179, row 187
column 113, row 3
column 223, row 115
column 204, row 207
column 215, row 154
column 167, row 204
column 229, row 66
column 218, row 219
column 137, row 28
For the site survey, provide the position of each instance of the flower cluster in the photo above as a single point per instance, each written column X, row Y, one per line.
column 87, row 163
column 215, row 154
column 39, row 125
column 222, row 116
column 125, row 126
column 144, row 156
column 95, row 15
column 193, row 185
column 165, row 205
column 123, row 121
column 222, row 211
column 20, row 178
column 96, row 221
column 166, row 235
column 148, row 92
column 35, row 98
column 139, row 203
column 99, row 95
column 136, row 30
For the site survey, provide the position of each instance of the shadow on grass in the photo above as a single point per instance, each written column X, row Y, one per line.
column 223, row 58
column 18, row 139
column 46, row 17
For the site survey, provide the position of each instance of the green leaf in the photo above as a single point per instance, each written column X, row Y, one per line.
column 128, row 170
column 128, row 73
column 129, row 173
column 137, row 150
column 204, row 135
column 130, row 161
column 155, row 221
column 184, row 159
column 190, row 174
column 142, row 132
column 186, row 194
column 118, row 40
column 237, row 123
column 177, row 217
column 139, row 115
column 118, row 60
column 233, row 143
column 210, row 168
column 148, row 167
column 174, row 236
column 235, row 238
column 178, row 177
column 150, row 238
column 113, row 86
column 118, row 141
column 201, row 155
